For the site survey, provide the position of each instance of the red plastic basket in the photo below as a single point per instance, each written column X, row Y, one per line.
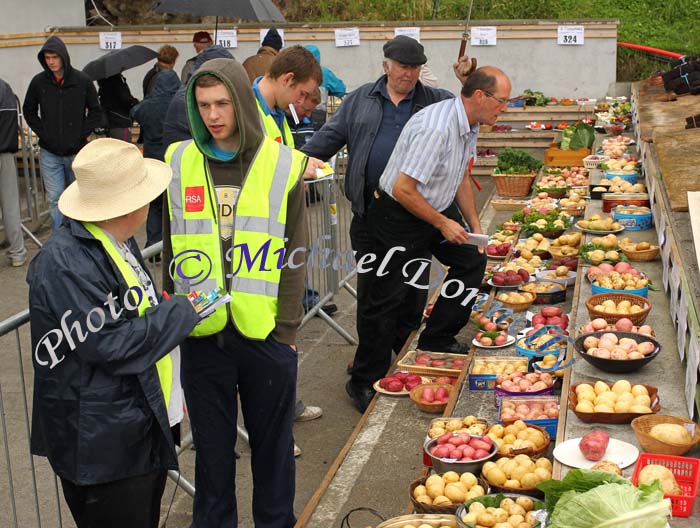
column 687, row 473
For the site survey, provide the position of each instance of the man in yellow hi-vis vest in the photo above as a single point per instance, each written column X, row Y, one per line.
column 235, row 213
column 101, row 337
column 291, row 82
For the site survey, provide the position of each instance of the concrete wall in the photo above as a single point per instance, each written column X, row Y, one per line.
column 30, row 16
column 527, row 51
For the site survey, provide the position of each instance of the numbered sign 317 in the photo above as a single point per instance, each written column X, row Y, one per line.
column 110, row 40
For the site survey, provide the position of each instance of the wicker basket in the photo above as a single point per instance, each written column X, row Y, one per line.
column 610, row 328
column 645, row 255
column 593, row 161
column 421, row 519
column 644, row 424
column 529, row 451
column 519, row 307
column 435, row 407
column 421, row 507
column 510, row 205
column 638, row 318
column 513, row 184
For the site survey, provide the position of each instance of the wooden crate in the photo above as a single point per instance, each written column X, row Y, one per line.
column 565, row 158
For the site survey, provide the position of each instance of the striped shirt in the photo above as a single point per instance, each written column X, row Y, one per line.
column 434, row 148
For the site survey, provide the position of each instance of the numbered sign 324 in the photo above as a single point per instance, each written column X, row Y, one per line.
column 570, row 35
column 110, row 40
column 347, row 37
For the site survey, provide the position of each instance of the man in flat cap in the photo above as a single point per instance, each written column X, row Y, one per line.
column 201, row 41
column 369, row 122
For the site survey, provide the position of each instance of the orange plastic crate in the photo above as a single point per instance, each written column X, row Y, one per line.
column 687, row 473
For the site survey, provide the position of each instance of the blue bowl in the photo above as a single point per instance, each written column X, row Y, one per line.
column 627, row 175
column 633, row 222
column 642, row 292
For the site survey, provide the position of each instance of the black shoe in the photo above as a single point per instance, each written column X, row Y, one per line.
column 361, row 395
column 452, row 348
column 329, row 308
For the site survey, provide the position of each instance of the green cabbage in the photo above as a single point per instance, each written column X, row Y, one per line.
column 612, row 506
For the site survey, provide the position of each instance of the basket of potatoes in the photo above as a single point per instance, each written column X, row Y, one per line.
column 666, row 434
column 519, row 474
column 519, row 438
column 639, row 251
column 444, row 493
column 502, row 510
column 615, row 306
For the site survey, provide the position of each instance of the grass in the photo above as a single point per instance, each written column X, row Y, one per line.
column 669, row 25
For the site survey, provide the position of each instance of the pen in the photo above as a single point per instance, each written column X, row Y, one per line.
column 166, row 296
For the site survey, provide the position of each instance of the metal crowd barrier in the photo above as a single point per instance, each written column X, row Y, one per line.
column 329, row 254
column 29, row 489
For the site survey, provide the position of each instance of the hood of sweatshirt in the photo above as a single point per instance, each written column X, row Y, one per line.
column 55, row 45
column 314, row 51
column 167, row 83
column 231, row 73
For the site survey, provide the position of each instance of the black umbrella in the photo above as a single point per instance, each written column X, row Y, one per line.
column 117, row 61
column 259, row 10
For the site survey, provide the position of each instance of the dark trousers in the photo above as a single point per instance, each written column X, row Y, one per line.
column 132, row 502
column 393, row 226
column 154, row 222
column 411, row 312
column 216, row 371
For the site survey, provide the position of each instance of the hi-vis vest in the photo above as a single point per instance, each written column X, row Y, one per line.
column 272, row 130
column 257, row 245
column 165, row 364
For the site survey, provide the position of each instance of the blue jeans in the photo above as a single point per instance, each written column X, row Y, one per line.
column 57, row 173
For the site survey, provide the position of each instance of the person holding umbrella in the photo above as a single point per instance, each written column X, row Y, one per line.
column 116, row 101
column 62, row 108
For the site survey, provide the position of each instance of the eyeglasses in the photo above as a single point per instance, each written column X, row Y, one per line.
column 500, row 100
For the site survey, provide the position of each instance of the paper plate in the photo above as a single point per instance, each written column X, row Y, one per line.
column 621, row 453
column 509, row 341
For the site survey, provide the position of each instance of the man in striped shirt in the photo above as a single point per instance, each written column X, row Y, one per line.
column 410, row 218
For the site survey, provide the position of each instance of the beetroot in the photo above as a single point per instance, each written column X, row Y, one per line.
column 594, row 444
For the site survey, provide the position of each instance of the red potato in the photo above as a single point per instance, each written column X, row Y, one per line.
column 480, row 453
column 438, row 363
column 443, row 380
column 594, row 444
column 428, row 395
column 444, row 438
column 401, row 376
column 384, row 382
column 479, row 444
column 441, row 393
column 410, row 385
column 394, row 386
column 551, row 311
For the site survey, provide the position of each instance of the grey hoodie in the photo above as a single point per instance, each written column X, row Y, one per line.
column 233, row 173
column 175, row 125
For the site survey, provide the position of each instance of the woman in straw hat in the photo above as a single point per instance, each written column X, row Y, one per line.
column 101, row 338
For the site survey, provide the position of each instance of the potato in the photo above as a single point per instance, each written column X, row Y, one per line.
column 654, row 472
column 671, row 434
column 455, row 493
column 420, row 490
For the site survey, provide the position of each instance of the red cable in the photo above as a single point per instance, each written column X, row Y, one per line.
column 657, row 51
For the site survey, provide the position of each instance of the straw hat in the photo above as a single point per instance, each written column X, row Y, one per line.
column 112, row 179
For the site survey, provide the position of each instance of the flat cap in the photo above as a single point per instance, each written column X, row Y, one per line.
column 406, row 50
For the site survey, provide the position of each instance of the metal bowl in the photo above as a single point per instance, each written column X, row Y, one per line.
column 617, row 366
column 442, row 466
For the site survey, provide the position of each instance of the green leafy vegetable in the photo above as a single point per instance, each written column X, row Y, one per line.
column 514, row 161
column 583, row 136
column 578, row 480
column 613, row 506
